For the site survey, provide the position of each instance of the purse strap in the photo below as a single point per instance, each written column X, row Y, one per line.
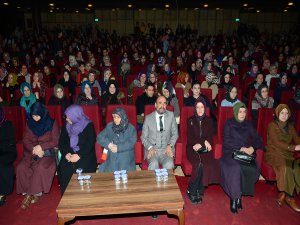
column 293, row 170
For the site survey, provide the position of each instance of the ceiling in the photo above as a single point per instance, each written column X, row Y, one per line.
column 82, row 5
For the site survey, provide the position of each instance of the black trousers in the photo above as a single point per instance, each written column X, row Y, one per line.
column 6, row 178
column 196, row 184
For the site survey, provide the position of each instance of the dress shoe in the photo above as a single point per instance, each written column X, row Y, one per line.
column 35, row 199
column 199, row 197
column 280, row 199
column 239, row 203
column 154, row 216
column 292, row 203
column 233, row 206
column 26, row 201
column 193, row 198
column 2, row 200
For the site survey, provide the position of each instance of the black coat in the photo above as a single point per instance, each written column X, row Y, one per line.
column 8, row 154
column 87, row 161
column 143, row 100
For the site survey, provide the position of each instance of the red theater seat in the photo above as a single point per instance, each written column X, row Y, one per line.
column 55, row 112
column 17, row 115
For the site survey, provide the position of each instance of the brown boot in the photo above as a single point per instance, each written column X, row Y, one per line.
column 292, row 203
column 280, row 199
column 26, row 201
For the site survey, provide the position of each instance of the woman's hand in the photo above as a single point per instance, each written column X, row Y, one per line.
column 197, row 146
column 112, row 147
column 248, row 151
column 37, row 150
column 74, row 158
column 68, row 157
column 207, row 145
column 297, row 148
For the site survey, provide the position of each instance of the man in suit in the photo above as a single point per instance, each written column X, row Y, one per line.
column 159, row 136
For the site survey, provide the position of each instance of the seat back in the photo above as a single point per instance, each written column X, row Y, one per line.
column 137, row 91
column 273, row 82
column 285, row 96
column 125, row 92
column 180, row 97
column 264, row 117
column 208, row 93
column 55, row 112
column 93, row 112
column 17, row 115
column 129, row 79
column 129, row 109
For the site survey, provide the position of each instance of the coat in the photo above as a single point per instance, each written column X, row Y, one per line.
column 236, row 135
column 8, row 154
column 197, row 133
column 124, row 158
column 87, row 161
column 35, row 176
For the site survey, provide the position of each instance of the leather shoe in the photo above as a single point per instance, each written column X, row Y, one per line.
column 239, row 203
column 292, row 203
column 154, row 216
column 26, row 201
column 280, row 199
column 199, row 197
column 2, row 200
column 193, row 198
column 233, row 206
column 35, row 199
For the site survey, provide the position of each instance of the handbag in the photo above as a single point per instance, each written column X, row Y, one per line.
column 202, row 150
column 243, row 157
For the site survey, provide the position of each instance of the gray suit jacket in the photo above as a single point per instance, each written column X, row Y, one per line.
column 159, row 140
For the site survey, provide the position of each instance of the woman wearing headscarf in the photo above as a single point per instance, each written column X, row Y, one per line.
column 86, row 97
column 205, row 169
column 28, row 97
column 253, row 71
column 68, row 82
column 211, row 82
column 103, row 84
column 112, row 95
column 139, row 81
column 8, row 154
column 183, row 82
column 281, row 87
column 76, row 145
column 225, row 81
column 282, row 141
column 169, row 92
column 119, row 138
column 231, row 97
column 192, row 71
column 59, row 98
column 12, row 85
column 261, row 100
column 237, row 178
column 36, row 170
column 39, row 86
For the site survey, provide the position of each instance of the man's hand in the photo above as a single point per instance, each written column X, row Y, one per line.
column 151, row 153
column 169, row 151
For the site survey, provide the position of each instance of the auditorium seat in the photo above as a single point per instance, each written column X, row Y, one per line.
column 285, row 96
column 17, row 115
column 55, row 112
column 137, row 91
column 265, row 116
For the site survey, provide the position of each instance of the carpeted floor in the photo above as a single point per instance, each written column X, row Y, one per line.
column 258, row 210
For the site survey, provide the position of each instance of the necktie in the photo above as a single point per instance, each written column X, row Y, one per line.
column 161, row 127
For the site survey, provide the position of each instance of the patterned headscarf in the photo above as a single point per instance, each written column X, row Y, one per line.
column 124, row 121
column 45, row 124
column 79, row 122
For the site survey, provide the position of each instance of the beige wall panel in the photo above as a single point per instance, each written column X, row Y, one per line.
column 202, row 27
column 211, row 26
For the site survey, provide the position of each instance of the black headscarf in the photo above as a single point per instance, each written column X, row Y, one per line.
column 227, row 96
column 2, row 116
column 124, row 121
column 42, row 126
column 202, row 100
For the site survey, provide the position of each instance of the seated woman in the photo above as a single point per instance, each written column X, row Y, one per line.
column 261, row 100
column 281, row 86
column 183, row 82
column 94, row 82
column 68, row 82
column 11, row 86
column 225, row 81
column 211, row 82
column 27, row 99
column 169, row 92
column 253, row 71
column 86, row 97
column 237, row 178
column 119, row 138
column 140, row 81
column 205, row 169
column 231, row 97
column 59, row 98
column 39, row 86
column 283, row 140
column 112, row 96
column 8, row 154
column 103, row 84
column 76, row 145
column 37, row 168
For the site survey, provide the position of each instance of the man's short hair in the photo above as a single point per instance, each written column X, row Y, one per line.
column 149, row 84
column 195, row 82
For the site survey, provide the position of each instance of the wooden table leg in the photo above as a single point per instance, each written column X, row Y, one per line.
column 63, row 220
column 179, row 213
